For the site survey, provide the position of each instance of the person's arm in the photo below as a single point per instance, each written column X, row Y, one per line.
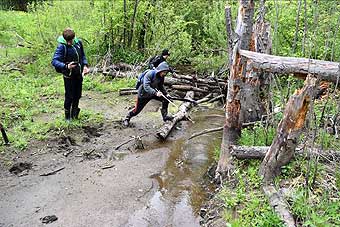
column 161, row 87
column 58, row 60
column 147, row 83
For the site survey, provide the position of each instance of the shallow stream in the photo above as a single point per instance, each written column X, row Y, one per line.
column 180, row 192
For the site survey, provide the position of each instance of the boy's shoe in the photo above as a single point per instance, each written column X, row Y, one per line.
column 168, row 118
column 126, row 122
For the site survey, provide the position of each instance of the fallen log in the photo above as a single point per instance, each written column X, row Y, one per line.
column 279, row 204
column 128, row 92
column 324, row 70
column 182, row 113
column 189, row 88
column 259, row 152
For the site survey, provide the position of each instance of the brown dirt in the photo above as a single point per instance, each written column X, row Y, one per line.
column 96, row 185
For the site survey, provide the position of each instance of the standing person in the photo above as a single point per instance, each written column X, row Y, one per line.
column 152, row 88
column 155, row 61
column 70, row 60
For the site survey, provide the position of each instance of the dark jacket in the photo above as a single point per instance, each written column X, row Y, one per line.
column 65, row 54
column 151, row 83
column 155, row 61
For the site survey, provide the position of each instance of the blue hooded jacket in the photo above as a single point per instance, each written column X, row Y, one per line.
column 65, row 54
column 151, row 83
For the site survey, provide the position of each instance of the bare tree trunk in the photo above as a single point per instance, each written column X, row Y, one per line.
column 297, row 26
column 305, row 28
column 283, row 146
column 232, row 126
column 133, row 20
column 230, row 34
column 125, row 23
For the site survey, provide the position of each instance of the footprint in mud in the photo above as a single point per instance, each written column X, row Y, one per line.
column 92, row 131
column 66, row 141
column 20, row 167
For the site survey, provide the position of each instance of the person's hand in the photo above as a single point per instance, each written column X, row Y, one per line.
column 86, row 70
column 71, row 65
column 159, row 94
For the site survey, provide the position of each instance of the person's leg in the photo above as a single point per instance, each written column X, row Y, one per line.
column 140, row 104
column 68, row 98
column 77, row 89
column 164, row 109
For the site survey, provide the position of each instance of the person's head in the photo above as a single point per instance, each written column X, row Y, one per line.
column 163, row 68
column 69, row 35
column 165, row 53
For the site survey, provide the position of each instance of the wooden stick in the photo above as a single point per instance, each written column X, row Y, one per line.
column 53, row 172
column 205, row 131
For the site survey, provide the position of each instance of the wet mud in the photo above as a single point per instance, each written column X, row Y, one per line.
column 83, row 179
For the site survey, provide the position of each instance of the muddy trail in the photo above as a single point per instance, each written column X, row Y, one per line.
column 84, row 178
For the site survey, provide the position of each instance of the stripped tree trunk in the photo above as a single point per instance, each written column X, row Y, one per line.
column 256, row 83
column 232, row 126
column 282, row 149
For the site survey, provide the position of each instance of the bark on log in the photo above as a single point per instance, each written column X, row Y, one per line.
column 182, row 113
column 259, row 152
column 281, row 207
column 324, row 70
column 289, row 129
column 189, row 88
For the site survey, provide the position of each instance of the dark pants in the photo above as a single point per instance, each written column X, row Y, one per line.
column 73, row 89
column 141, row 102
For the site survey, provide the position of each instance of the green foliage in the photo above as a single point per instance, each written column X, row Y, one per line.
column 245, row 204
column 316, row 210
column 257, row 136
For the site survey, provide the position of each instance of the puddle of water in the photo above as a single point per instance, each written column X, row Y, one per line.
column 180, row 193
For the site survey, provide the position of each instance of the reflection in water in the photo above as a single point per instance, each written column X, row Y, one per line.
column 180, row 193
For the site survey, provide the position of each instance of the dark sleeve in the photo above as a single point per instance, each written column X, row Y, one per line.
column 58, row 60
column 161, row 87
column 155, row 62
column 83, row 60
column 147, row 83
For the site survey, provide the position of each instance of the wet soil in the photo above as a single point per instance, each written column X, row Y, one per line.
column 80, row 177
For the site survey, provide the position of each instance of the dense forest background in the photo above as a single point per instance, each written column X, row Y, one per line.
column 194, row 31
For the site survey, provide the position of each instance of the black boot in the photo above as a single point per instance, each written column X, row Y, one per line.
column 75, row 113
column 165, row 115
column 126, row 121
column 67, row 115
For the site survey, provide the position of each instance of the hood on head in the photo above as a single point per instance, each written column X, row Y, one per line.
column 62, row 40
column 163, row 67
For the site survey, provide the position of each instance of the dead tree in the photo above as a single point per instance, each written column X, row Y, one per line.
column 283, row 146
column 232, row 126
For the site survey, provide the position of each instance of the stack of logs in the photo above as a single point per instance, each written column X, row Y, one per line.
column 180, row 84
